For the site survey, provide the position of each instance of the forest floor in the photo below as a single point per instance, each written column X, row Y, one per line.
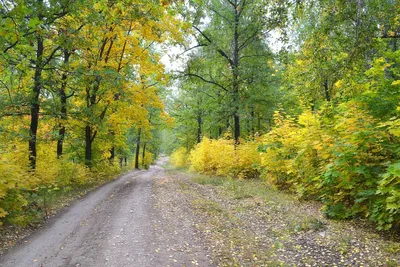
column 168, row 217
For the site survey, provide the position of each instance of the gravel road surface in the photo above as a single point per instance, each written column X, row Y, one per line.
column 119, row 224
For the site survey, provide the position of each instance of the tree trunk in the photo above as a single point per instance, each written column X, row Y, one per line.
column 137, row 149
column 235, row 74
column 112, row 154
column 88, row 146
column 253, row 130
column 199, row 123
column 144, row 152
column 63, row 100
column 112, row 150
column 35, row 106
column 327, row 93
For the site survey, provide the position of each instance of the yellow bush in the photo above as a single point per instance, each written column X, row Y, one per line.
column 148, row 160
column 212, row 157
column 13, row 176
column 346, row 159
column 247, row 160
column 279, row 147
column 295, row 153
column 220, row 157
column 179, row 157
column 54, row 172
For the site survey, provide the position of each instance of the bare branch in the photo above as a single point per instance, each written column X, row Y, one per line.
column 203, row 34
column 249, row 40
column 222, row 16
column 10, row 47
column 50, row 57
column 191, row 48
column 219, row 50
column 205, row 80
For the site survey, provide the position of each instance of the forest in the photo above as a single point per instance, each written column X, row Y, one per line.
column 301, row 94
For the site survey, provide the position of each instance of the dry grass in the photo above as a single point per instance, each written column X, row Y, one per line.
column 246, row 223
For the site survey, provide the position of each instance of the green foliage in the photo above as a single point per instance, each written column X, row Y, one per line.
column 387, row 209
column 342, row 161
column 76, row 79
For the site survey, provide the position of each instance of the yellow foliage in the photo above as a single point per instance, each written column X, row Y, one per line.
column 247, row 160
column 221, row 157
column 148, row 159
column 179, row 157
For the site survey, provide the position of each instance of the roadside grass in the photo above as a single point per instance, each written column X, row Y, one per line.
column 248, row 223
column 208, row 180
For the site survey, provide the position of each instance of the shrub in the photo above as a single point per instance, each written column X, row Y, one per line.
column 221, row 157
column 341, row 160
column 179, row 157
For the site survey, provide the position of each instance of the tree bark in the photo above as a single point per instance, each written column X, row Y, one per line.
column 327, row 93
column 144, row 152
column 253, row 130
column 235, row 74
column 63, row 101
column 137, row 149
column 88, row 146
column 112, row 152
column 199, row 124
column 35, row 106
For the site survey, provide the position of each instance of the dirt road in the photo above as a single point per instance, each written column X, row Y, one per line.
column 116, row 225
column 168, row 217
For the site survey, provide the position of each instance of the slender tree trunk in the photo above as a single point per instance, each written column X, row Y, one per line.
column 35, row 106
column 112, row 150
column 235, row 73
column 199, row 124
column 88, row 146
column 137, row 149
column 144, row 151
column 112, row 154
column 90, row 133
column 63, row 100
column 327, row 93
column 126, row 161
column 252, row 115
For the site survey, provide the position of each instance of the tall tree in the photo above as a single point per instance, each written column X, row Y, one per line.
column 233, row 40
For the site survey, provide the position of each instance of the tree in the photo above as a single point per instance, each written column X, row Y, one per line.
column 233, row 48
column 29, row 47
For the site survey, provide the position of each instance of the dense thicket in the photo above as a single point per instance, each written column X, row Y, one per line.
column 80, row 93
column 321, row 117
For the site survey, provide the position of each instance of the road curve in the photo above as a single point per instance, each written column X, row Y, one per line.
column 112, row 226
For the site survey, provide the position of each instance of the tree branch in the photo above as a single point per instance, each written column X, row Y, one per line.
column 205, row 80
column 219, row 50
column 222, row 16
column 191, row 48
column 249, row 40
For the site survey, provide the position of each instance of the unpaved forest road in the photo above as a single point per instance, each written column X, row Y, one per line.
column 116, row 225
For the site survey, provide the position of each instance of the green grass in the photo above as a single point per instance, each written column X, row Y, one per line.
column 208, row 180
